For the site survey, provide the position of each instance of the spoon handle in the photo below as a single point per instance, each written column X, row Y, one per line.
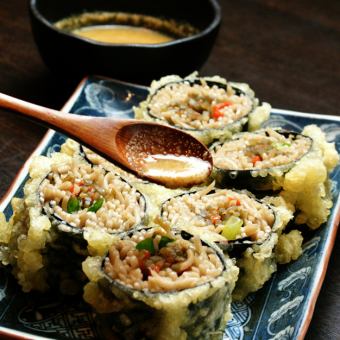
column 98, row 133
column 55, row 119
column 78, row 127
column 75, row 126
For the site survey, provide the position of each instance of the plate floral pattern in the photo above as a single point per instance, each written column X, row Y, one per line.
column 281, row 310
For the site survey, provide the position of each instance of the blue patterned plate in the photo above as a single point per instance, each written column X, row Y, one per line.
column 281, row 310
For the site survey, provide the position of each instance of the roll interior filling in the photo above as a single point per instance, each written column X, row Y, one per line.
column 158, row 261
column 232, row 215
column 84, row 196
column 260, row 150
column 199, row 106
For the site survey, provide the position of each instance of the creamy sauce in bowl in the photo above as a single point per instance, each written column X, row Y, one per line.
column 119, row 28
column 122, row 34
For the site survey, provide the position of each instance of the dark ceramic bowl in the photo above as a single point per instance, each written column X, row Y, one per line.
column 65, row 53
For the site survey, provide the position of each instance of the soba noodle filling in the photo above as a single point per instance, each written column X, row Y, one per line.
column 231, row 214
column 198, row 106
column 260, row 151
column 86, row 196
column 158, row 261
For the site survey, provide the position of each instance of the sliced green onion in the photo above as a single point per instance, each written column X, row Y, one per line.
column 73, row 205
column 232, row 227
column 281, row 145
column 96, row 205
column 146, row 244
column 164, row 241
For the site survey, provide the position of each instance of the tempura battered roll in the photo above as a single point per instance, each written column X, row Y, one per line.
column 209, row 108
column 162, row 284
column 258, row 160
column 245, row 228
column 297, row 166
column 70, row 209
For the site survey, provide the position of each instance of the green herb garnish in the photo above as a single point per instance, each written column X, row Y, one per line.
column 96, row 205
column 232, row 227
column 281, row 145
column 164, row 241
column 146, row 244
column 73, row 205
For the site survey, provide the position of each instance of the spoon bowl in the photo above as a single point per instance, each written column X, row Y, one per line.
column 128, row 142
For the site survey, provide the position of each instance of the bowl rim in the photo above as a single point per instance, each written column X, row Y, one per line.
column 212, row 25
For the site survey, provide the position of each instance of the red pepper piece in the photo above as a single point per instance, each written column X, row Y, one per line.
column 216, row 113
column 237, row 200
column 215, row 219
column 256, row 158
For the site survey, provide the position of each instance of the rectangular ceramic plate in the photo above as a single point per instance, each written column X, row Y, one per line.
column 281, row 310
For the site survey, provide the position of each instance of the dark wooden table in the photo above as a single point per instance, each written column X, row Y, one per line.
column 289, row 51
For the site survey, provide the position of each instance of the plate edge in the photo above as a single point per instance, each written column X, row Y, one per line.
column 320, row 277
column 306, row 114
column 14, row 334
column 23, row 171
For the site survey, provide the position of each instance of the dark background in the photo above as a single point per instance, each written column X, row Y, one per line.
column 288, row 51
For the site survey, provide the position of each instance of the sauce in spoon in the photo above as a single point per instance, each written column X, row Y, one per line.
column 179, row 161
column 175, row 171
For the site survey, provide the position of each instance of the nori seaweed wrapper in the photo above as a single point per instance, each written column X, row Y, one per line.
column 44, row 250
column 251, row 120
column 200, row 312
column 258, row 179
column 255, row 258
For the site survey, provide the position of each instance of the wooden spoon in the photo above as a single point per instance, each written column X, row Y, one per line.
column 129, row 143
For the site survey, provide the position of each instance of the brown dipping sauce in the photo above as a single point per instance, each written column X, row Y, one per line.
column 122, row 34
